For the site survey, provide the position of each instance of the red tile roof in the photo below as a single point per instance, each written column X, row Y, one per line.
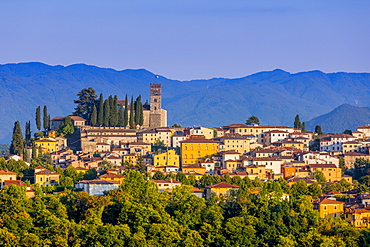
column 6, row 172
column 328, row 201
column 222, row 185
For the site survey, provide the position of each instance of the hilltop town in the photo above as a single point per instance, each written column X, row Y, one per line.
column 79, row 154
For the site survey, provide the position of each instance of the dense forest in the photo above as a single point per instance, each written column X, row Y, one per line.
column 137, row 214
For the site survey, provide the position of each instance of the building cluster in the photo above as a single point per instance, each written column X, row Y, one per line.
column 255, row 151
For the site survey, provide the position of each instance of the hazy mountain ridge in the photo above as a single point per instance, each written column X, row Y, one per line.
column 274, row 96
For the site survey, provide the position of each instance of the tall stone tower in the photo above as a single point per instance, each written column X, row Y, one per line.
column 156, row 118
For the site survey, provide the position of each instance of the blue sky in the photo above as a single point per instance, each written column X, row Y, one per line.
column 189, row 39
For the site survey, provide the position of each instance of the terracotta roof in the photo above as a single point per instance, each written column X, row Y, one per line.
column 196, row 189
column 222, row 185
column 328, row 201
column 111, row 175
column 138, row 143
column 98, row 181
column 6, row 172
column 74, row 118
column 355, row 154
column 166, row 181
column 46, row 140
column 198, row 141
column 276, row 131
column 15, row 182
column 46, row 172
column 322, row 166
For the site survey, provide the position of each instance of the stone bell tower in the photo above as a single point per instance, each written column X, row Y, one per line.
column 156, row 112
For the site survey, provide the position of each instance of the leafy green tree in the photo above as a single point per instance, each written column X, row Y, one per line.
column 94, row 116
column 315, row 189
column 297, row 122
column 158, row 176
column 348, row 132
column 38, row 118
column 318, row 129
column 66, row 127
column 101, row 110
column 90, row 174
column 46, row 122
column 319, row 176
column 252, row 120
column 17, row 144
column 300, row 189
column 85, row 103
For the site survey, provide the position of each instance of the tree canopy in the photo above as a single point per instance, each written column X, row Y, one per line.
column 252, row 120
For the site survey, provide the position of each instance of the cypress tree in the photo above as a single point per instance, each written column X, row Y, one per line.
column 34, row 151
column 38, row 118
column 93, row 117
column 146, row 102
column 121, row 120
column 45, row 118
column 17, row 144
column 141, row 119
column 106, row 113
column 303, row 126
column 318, row 129
column 101, row 110
column 25, row 154
column 125, row 113
column 137, row 114
column 297, row 122
column 49, row 122
column 39, row 152
column 132, row 114
column 111, row 111
column 28, row 131
column 114, row 112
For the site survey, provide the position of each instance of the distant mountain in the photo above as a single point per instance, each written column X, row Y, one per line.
column 342, row 118
column 274, row 96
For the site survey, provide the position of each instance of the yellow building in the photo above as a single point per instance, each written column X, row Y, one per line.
column 129, row 158
column 358, row 217
column 256, row 171
column 220, row 189
column 46, row 177
column 7, row 175
column 236, row 142
column 140, row 147
column 330, row 171
column 330, row 208
column 195, row 150
column 148, row 136
column 193, row 169
column 291, row 144
column 48, row 145
column 350, row 146
column 169, row 158
column 112, row 177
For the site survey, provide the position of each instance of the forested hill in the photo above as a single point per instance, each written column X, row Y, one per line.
column 341, row 118
column 274, row 96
